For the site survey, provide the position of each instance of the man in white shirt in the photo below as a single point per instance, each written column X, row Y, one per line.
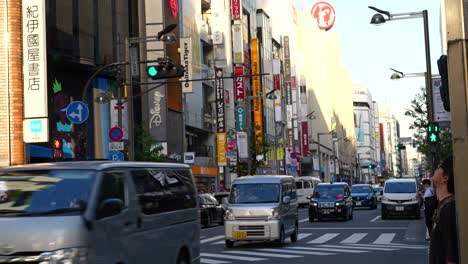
column 430, row 203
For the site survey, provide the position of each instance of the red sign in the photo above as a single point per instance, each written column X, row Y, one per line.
column 174, row 8
column 324, row 14
column 115, row 134
column 239, row 82
column 293, row 82
column 231, row 145
column 276, row 82
column 305, row 139
column 236, row 9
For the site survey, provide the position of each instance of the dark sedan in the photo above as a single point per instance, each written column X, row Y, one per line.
column 331, row 200
column 210, row 210
column 364, row 196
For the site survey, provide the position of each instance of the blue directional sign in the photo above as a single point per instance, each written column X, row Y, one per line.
column 77, row 112
column 116, row 156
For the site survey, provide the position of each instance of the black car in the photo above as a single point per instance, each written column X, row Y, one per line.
column 210, row 210
column 364, row 196
column 331, row 200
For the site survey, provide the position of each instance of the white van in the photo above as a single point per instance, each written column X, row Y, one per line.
column 305, row 186
column 400, row 197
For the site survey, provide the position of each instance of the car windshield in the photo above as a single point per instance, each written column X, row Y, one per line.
column 44, row 192
column 360, row 189
column 255, row 193
column 400, row 187
column 328, row 192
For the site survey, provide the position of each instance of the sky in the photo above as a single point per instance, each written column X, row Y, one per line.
column 368, row 51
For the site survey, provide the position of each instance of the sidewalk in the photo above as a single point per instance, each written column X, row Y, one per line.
column 417, row 231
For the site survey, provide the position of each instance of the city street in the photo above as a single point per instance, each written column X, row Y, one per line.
column 365, row 239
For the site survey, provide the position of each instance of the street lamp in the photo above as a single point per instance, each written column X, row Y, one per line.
column 384, row 16
column 396, row 75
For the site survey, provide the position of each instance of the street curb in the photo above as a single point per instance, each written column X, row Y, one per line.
column 416, row 231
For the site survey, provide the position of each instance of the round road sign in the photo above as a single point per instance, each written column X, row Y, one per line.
column 115, row 134
column 231, row 145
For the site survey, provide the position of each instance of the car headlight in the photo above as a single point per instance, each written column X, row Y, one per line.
column 385, row 200
column 274, row 214
column 228, row 216
column 339, row 203
column 65, row 256
column 314, row 204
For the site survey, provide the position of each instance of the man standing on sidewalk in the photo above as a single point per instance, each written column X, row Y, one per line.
column 430, row 203
column 444, row 237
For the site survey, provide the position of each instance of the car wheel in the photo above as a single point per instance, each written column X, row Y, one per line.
column 311, row 219
column 208, row 221
column 384, row 215
column 183, row 258
column 281, row 238
column 229, row 243
column 294, row 235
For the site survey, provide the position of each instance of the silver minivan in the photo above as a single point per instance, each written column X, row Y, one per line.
column 98, row 212
column 262, row 208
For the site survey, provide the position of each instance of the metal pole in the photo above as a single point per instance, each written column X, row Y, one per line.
column 276, row 144
column 319, row 155
column 428, row 68
column 119, row 86
column 131, row 138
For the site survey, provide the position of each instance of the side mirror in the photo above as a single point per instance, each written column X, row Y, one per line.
column 109, row 207
column 286, row 200
column 224, row 200
column 381, row 192
column 308, row 197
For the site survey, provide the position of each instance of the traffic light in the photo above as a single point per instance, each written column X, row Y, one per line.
column 57, row 152
column 400, row 147
column 444, row 88
column 165, row 69
column 433, row 133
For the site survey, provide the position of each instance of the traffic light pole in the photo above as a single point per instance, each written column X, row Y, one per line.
column 129, row 83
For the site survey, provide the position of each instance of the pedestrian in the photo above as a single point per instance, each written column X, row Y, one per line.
column 444, row 236
column 430, row 203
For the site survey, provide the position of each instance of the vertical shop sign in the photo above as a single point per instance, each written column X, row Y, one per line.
column 236, row 9
column 256, row 90
column 239, row 83
column 221, row 149
column 219, row 86
column 186, row 57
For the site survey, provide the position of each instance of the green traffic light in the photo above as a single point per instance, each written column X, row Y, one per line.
column 152, row 71
column 433, row 138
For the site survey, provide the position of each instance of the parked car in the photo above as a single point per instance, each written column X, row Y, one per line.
column 363, row 196
column 57, row 211
column 401, row 198
column 331, row 200
column 262, row 208
column 210, row 210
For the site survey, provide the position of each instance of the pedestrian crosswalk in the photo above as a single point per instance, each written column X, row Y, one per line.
column 313, row 244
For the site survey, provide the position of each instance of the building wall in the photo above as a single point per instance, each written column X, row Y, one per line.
column 11, row 84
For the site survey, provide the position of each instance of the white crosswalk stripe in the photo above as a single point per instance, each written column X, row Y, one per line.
column 331, row 249
column 385, row 238
column 302, row 236
column 206, row 240
column 212, row 261
column 358, row 247
column 262, row 254
column 303, row 252
column 354, row 238
column 324, row 238
column 223, row 256
column 399, row 246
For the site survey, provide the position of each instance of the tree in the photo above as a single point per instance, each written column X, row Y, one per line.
column 148, row 148
column 261, row 147
column 418, row 113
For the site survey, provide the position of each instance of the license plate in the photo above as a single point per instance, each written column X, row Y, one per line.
column 358, row 203
column 239, row 235
column 327, row 211
column 399, row 208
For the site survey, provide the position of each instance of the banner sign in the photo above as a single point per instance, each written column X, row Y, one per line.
column 236, row 9
column 221, row 148
column 256, row 90
column 186, row 58
column 440, row 115
column 242, row 145
column 34, row 59
column 237, row 43
column 305, row 138
column 239, row 82
column 240, row 118
column 219, row 86
column 287, row 70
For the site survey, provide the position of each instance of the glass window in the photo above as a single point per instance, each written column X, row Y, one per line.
column 112, row 187
column 328, row 191
column 400, row 187
column 361, row 189
column 44, row 191
column 255, row 193
column 307, row 185
column 299, row 185
column 160, row 190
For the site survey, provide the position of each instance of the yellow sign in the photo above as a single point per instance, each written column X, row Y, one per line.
column 256, row 90
column 221, row 148
column 280, row 153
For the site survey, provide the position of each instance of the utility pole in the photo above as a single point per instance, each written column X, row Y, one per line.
column 128, row 77
column 456, row 16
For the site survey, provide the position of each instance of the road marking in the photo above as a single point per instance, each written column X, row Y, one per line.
column 230, row 257
column 212, row 261
column 296, row 252
column 391, row 246
column 354, row 238
column 385, row 238
column 262, row 254
column 304, row 220
column 206, row 240
column 324, row 238
column 359, row 247
column 331, row 250
column 354, row 228
column 375, row 219
column 302, row 236
column 219, row 242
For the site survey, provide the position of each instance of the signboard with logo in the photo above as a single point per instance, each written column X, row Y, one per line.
column 242, row 145
column 240, row 118
column 287, row 70
column 236, row 9
column 239, row 84
column 221, row 150
column 219, row 86
column 36, row 130
column 237, row 43
column 256, row 90
column 157, row 114
column 34, row 58
column 186, row 59
column 189, row 157
column 305, row 138
column 440, row 115
column 324, row 14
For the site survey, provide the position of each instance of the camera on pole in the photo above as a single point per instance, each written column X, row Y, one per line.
column 165, row 69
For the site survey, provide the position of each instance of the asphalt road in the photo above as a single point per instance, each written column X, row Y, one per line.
column 365, row 239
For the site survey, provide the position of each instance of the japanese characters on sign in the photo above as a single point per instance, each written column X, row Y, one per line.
column 236, row 9
column 256, row 90
column 324, row 14
column 239, row 83
column 219, row 86
column 34, row 59
column 287, row 70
